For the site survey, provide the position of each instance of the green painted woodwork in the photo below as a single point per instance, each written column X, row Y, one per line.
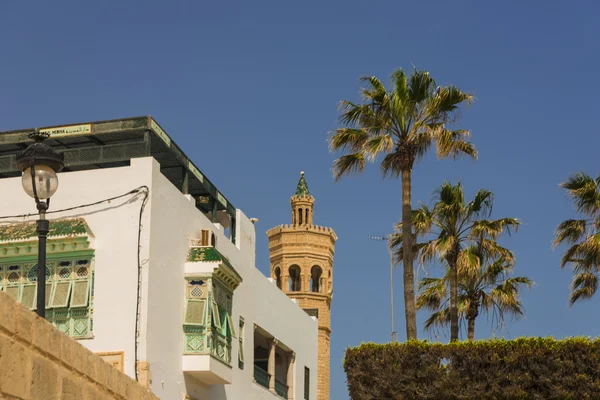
column 302, row 188
column 50, row 256
column 61, row 227
column 261, row 376
column 202, row 312
column 281, row 389
column 68, row 298
column 206, row 254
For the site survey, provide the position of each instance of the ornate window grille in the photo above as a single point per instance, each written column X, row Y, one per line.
column 68, row 290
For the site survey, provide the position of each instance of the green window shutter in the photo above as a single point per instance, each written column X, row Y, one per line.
column 49, row 291
column 306, row 383
column 231, row 327
column 215, row 315
column 13, row 291
column 194, row 312
column 80, row 295
column 60, row 297
column 241, row 348
column 29, row 295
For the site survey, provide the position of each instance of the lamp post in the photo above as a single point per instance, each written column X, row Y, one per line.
column 39, row 164
column 387, row 238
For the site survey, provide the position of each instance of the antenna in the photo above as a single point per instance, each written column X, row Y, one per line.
column 387, row 239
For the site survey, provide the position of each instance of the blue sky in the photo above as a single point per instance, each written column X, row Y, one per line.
column 250, row 90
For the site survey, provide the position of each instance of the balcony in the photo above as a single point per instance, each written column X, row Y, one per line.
column 207, row 369
column 273, row 364
column 281, row 389
column 261, row 377
column 207, row 357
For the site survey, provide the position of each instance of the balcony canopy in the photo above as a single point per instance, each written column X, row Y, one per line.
column 105, row 144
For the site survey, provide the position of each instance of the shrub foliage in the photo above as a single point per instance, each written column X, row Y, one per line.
column 525, row 368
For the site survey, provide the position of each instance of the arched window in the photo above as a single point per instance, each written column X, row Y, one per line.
column 299, row 216
column 294, row 281
column 306, row 219
column 315, row 278
column 278, row 277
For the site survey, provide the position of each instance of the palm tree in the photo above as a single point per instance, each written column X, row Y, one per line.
column 402, row 123
column 484, row 287
column 451, row 226
column 582, row 234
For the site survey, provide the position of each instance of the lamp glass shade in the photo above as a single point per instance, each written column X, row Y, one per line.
column 46, row 182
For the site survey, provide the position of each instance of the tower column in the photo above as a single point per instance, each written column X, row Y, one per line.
column 305, row 245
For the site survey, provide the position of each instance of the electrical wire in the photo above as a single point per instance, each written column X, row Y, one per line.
column 139, row 283
column 141, row 189
column 107, row 200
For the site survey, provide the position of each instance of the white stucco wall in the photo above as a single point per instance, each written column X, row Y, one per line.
column 169, row 221
column 174, row 221
column 115, row 227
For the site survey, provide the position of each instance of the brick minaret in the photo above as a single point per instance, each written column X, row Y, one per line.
column 302, row 264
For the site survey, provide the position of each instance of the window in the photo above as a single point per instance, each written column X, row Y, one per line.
column 299, row 216
column 68, row 291
column 294, row 281
column 315, row 278
column 241, row 348
column 194, row 317
column 306, row 383
column 204, row 237
column 278, row 277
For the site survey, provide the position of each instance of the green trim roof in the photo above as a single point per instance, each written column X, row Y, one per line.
column 302, row 188
column 206, row 254
column 58, row 228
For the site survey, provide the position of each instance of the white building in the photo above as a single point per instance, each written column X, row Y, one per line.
column 186, row 311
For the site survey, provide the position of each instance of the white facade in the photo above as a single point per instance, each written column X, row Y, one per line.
column 169, row 223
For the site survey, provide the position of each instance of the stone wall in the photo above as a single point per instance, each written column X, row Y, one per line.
column 39, row 362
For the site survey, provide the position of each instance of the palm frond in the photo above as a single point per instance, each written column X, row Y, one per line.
column 438, row 319
column 453, row 144
column 421, row 142
column 447, row 99
column 376, row 145
column 585, row 253
column 494, row 228
column 376, row 89
column 583, row 190
column 570, row 231
column 392, row 164
column 432, row 291
column 422, row 218
column 400, row 84
column 348, row 139
column 347, row 164
column 482, row 204
column 584, row 286
column 421, row 86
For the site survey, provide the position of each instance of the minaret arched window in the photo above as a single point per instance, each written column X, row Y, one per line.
column 299, row 216
column 315, row 279
column 306, row 218
column 294, row 280
column 278, row 277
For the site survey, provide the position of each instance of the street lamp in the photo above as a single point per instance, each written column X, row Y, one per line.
column 39, row 164
column 387, row 239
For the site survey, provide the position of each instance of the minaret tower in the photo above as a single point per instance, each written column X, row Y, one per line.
column 302, row 265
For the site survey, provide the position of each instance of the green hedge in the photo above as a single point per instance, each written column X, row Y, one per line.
column 526, row 368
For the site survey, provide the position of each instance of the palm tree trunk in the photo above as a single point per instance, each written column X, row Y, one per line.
column 410, row 309
column 471, row 329
column 453, row 299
